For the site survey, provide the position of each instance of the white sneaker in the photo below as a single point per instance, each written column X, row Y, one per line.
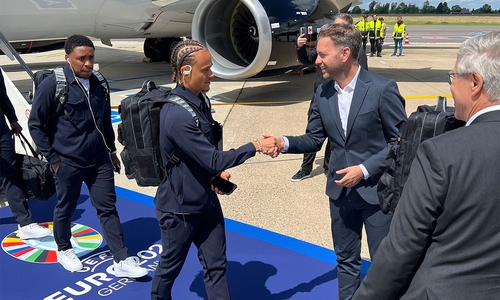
column 69, row 260
column 129, row 268
column 33, row 231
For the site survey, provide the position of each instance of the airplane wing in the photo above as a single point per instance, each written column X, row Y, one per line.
column 244, row 37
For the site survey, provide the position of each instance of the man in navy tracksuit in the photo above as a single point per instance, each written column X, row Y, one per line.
column 187, row 206
column 78, row 142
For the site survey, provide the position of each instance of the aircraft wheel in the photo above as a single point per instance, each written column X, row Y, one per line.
column 159, row 49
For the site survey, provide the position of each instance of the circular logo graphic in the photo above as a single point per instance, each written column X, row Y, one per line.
column 44, row 250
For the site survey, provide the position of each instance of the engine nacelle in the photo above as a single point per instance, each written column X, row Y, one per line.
column 246, row 37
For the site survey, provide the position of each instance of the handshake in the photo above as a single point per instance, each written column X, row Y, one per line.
column 271, row 145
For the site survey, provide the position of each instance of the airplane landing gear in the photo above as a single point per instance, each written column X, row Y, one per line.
column 159, row 49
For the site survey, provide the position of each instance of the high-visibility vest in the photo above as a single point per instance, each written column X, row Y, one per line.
column 374, row 27
column 362, row 26
column 399, row 31
column 382, row 31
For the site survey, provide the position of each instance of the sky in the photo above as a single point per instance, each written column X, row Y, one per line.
column 470, row 4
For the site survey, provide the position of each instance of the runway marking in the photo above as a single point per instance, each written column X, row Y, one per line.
column 53, row 55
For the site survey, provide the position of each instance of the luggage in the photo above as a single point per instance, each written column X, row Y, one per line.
column 426, row 122
column 139, row 133
column 37, row 179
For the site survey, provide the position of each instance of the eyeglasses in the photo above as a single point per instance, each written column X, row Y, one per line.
column 451, row 76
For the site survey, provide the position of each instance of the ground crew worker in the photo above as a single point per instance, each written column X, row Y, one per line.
column 398, row 34
column 362, row 26
column 374, row 29
column 382, row 31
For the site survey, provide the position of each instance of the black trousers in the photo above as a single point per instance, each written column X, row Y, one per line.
column 365, row 41
column 10, row 179
column 348, row 215
column 308, row 160
column 207, row 231
column 100, row 181
column 375, row 46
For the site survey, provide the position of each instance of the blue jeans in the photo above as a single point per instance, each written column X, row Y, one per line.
column 396, row 43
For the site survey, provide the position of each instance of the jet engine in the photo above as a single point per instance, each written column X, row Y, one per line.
column 246, row 37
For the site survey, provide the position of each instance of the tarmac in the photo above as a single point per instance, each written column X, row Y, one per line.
column 268, row 103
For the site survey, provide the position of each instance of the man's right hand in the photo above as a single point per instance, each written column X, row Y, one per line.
column 301, row 40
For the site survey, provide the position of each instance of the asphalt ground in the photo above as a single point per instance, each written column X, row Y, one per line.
column 268, row 103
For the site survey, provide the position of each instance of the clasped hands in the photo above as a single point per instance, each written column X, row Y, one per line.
column 271, row 145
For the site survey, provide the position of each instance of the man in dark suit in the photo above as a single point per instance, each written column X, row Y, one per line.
column 358, row 112
column 444, row 241
column 308, row 57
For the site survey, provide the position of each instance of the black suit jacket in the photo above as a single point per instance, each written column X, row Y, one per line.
column 376, row 108
column 444, row 241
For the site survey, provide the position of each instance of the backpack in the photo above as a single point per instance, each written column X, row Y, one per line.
column 426, row 122
column 62, row 86
column 139, row 133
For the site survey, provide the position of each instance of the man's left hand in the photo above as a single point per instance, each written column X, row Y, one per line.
column 352, row 177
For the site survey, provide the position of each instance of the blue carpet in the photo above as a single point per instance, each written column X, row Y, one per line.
column 262, row 265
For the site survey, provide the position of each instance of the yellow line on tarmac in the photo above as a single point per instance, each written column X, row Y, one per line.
column 53, row 55
column 410, row 98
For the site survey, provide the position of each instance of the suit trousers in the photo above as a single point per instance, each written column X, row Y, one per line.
column 207, row 231
column 348, row 214
column 100, row 181
column 10, row 179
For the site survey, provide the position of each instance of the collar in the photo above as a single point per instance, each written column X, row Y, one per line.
column 350, row 87
column 482, row 111
column 187, row 94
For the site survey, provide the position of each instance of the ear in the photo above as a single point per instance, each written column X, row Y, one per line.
column 477, row 84
column 66, row 57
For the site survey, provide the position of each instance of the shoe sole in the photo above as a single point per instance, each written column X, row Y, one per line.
column 300, row 179
column 69, row 268
column 121, row 275
column 24, row 237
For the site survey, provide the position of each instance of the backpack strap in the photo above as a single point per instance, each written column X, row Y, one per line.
column 181, row 102
column 61, row 89
column 441, row 103
column 103, row 82
column 177, row 154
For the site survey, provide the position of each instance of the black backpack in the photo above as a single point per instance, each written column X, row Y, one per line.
column 426, row 122
column 62, row 86
column 139, row 133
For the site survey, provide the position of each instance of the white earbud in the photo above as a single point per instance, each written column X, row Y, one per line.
column 67, row 59
column 188, row 71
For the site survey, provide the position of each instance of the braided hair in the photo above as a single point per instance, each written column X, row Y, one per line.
column 182, row 55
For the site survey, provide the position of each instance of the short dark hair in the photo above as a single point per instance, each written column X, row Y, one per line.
column 343, row 35
column 77, row 40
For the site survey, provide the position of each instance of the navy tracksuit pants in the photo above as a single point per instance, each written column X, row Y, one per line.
column 101, row 185
column 206, row 230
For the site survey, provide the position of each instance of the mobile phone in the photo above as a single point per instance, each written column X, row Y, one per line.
column 225, row 186
column 116, row 168
column 303, row 31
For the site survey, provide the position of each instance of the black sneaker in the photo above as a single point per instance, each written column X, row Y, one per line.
column 300, row 175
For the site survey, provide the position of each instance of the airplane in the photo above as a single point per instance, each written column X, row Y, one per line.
column 244, row 37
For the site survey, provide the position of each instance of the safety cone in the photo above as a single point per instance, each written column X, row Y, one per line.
column 407, row 39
